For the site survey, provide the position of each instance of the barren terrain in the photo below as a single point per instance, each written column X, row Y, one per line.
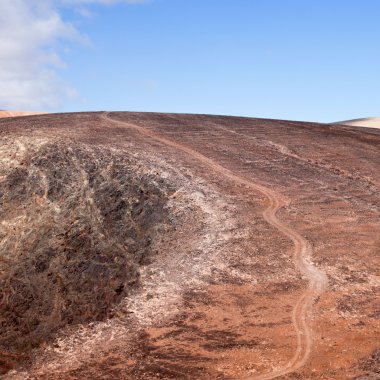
column 164, row 246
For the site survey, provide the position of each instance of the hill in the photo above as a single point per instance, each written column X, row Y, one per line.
column 370, row 122
column 17, row 113
column 165, row 246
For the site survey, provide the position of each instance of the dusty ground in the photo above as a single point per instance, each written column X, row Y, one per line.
column 156, row 246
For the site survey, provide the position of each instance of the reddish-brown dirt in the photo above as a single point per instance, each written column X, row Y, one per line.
column 147, row 246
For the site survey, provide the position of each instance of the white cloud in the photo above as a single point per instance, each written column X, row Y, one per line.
column 31, row 35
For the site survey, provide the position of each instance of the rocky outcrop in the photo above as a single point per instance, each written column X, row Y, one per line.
column 77, row 223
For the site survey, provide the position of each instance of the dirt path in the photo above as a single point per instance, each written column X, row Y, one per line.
column 302, row 312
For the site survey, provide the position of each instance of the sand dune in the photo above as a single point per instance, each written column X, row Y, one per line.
column 369, row 122
column 4, row 113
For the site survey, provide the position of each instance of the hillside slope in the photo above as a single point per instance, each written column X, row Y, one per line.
column 164, row 246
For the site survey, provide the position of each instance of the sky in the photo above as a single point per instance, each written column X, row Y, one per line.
column 315, row 60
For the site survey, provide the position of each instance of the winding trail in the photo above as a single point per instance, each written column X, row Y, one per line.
column 302, row 312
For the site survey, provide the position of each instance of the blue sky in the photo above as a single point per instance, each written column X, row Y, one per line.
column 289, row 59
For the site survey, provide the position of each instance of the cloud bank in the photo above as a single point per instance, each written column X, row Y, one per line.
column 32, row 34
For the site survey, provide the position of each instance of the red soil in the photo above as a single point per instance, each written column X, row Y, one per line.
column 264, row 264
